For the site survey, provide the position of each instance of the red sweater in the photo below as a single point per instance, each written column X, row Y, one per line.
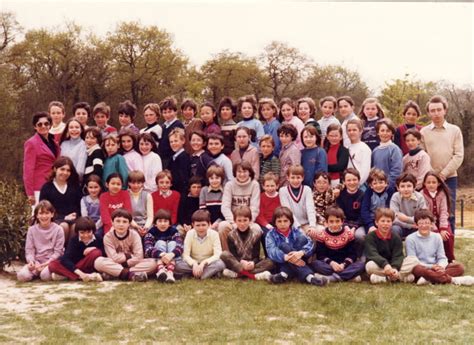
column 109, row 203
column 170, row 203
column 332, row 159
column 267, row 207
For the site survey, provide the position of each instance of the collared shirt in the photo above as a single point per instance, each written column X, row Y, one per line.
column 433, row 126
column 92, row 240
column 178, row 153
column 169, row 123
column 200, row 239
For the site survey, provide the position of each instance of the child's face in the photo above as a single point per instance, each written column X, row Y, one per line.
column 287, row 112
column 150, row 116
column 197, row 143
column 282, row 223
column 226, row 113
column 321, row 184
column 247, row 110
column 62, row 173
column 242, row 175
column 269, row 186
column 85, row 236
column 145, row 147
column 74, row 129
column 164, row 184
column 114, row 185
column 188, row 113
column 406, row 189
column 93, row 188
column 242, row 139
column 242, row 223
column 351, row 182
column 266, row 148
column 215, row 181
column 168, row 114
column 378, row 186
column 135, row 186
column 162, row 224
column 176, row 143
column 309, row 139
column 111, row 147
column 410, row 116
column 334, row 137
column 101, row 120
column 201, row 227
column 370, row 110
column 195, row 189
column 44, row 217
column 345, row 108
column 384, row 133
column 127, row 143
column 334, row 223
column 124, row 119
column 431, row 183
column 81, row 115
column 304, row 111
column 207, row 115
column 412, row 142
column 384, row 224
column 285, row 138
column 56, row 114
column 353, row 133
column 267, row 111
column 121, row 224
column 424, row 226
column 90, row 140
column 215, row 146
column 327, row 109
column 295, row 180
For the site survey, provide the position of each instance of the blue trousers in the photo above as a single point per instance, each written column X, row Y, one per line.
column 353, row 270
column 292, row 270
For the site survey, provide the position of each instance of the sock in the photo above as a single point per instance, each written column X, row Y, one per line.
column 160, row 266
column 247, row 274
column 170, row 267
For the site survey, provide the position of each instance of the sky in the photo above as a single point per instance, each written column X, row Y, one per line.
column 382, row 41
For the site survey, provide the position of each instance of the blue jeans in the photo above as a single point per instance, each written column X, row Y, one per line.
column 452, row 184
column 166, row 247
column 351, row 271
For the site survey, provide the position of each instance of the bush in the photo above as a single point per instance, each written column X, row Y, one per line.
column 15, row 213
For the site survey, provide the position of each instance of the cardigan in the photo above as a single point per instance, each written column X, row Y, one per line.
column 438, row 205
column 371, row 202
column 335, row 168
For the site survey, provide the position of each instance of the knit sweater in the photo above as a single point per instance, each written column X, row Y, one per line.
column 407, row 206
column 170, row 203
column 301, row 204
column 270, row 163
column 256, row 129
column 271, row 128
column 124, row 249
column 228, row 130
column 250, row 155
column 267, row 207
column 418, row 163
column 429, row 250
column 155, row 130
column 199, row 164
column 116, row 164
column 369, row 133
column 64, row 204
column 187, row 206
column 198, row 250
column 296, row 239
column 75, row 251
column 289, row 155
column 211, row 200
column 151, row 167
column 240, row 194
column 44, row 245
column 77, row 151
column 388, row 157
column 313, row 161
column 438, row 205
column 213, row 128
column 360, row 158
column 245, row 245
column 384, row 251
column 336, row 246
column 134, row 160
column 154, row 235
column 109, row 203
column 351, row 205
column 94, row 162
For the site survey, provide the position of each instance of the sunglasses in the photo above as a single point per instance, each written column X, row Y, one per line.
column 43, row 124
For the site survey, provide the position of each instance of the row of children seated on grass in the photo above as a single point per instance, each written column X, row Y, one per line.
column 289, row 252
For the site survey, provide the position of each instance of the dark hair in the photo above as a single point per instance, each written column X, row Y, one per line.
column 162, row 214
column 200, row 134
column 95, row 133
column 289, row 129
column 114, row 175
column 414, row 132
column 333, row 127
column 244, row 165
column 84, row 224
column 322, row 174
column 314, row 132
column 169, row 103
column 335, row 211
column 148, row 137
column 348, row 99
column 384, row 212
column 328, row 99
column 406, row 177
column 121, row 212
column 201, row 216
column 189, row 103
column 311, row 105
column 39, row 115
column 411, row 104
column 248, row 99
column 92, row 178
column 442, row 186
column 242, row 211
column 127, row 108
column 387, row 122
column 65, row 134
column 128, row 133
column 42, row 205
column 424, row 214
column 215, row 136
column 376, row 174
column 282, row 211
column 195, row 180
column 371, row 100
column 287, row 101
column 437, row 99
column 351, row 171
column 227, row 102
column 62, row 161
column 82, row 105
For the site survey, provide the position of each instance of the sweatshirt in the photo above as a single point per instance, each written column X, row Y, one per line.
column 313, row 161
column 44, row 245
column 429, row 250
column 388, row 157
column 110, row 203
column 384, row 250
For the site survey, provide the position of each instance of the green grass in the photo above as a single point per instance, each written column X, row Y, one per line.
column 226, row 311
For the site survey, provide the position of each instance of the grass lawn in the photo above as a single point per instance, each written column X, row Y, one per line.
column 227, row 311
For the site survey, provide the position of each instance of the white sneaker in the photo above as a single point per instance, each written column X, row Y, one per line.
column 229, row 274
column 356, row 279
column 376, row 279
column 95, row 277
column 169, row 277
column 265, row 275
column 408, row 279
column 464, row 280
column 57, row 277
column 422, row 281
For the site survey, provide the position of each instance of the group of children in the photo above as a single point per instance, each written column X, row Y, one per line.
column 293, row 197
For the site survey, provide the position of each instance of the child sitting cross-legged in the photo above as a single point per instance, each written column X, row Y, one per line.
column 163, row 242
column 384, row 252
column 124, row 250
column 202, row 249
column 289, row 248
column 243, row 257
column 336, row 250
column 427, row 247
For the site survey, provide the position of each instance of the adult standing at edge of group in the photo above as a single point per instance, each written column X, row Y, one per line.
column 40, row 152
column 444, row 144
column 345, row 107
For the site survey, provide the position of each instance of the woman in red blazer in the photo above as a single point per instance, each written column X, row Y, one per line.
column 40, row 152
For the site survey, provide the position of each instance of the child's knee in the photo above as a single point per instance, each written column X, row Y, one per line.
column 45, row 274
column 24, row 275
